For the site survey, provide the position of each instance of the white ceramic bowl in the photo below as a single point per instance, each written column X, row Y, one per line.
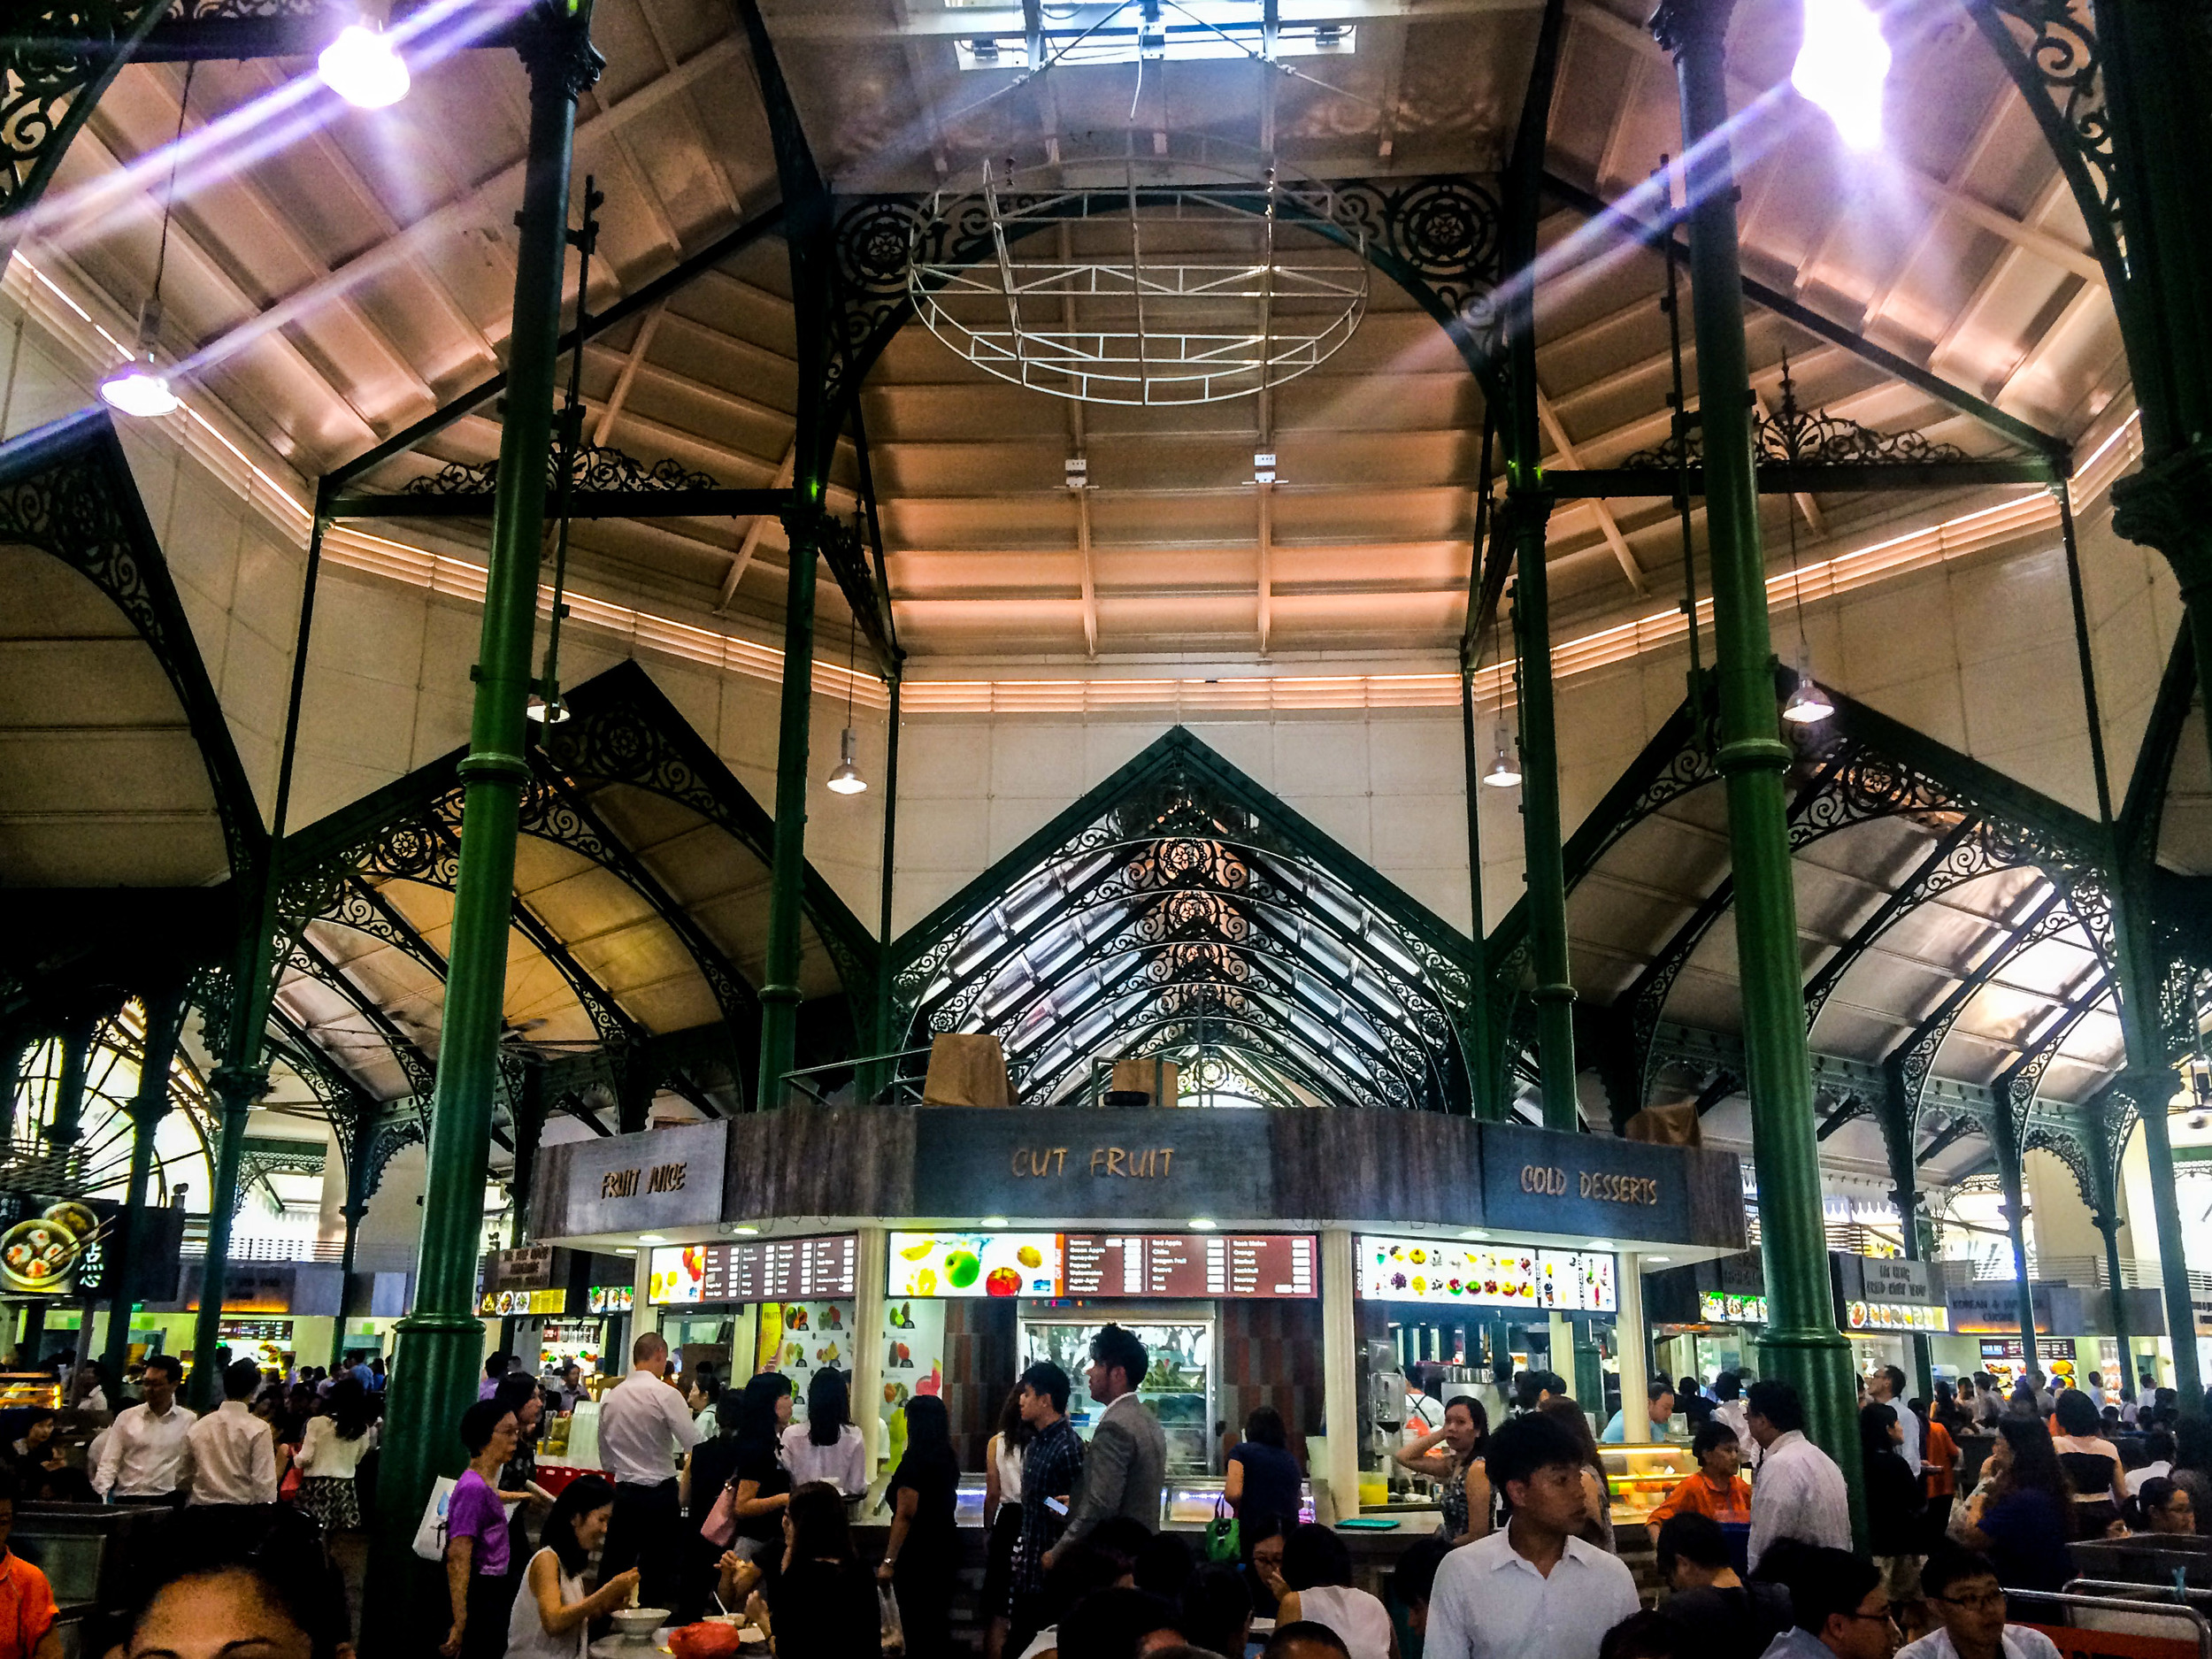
column 640, row 1621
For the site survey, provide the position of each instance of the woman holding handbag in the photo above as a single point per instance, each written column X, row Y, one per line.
column 709, row 1468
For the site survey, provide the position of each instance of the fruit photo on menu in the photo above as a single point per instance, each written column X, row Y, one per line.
column 963, row 1265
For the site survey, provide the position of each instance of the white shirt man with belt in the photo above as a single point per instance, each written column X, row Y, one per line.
column 234, row 1454
column 147, row 1456
column 1532, row 1590
column 1798, row 1492
column 644, row 1428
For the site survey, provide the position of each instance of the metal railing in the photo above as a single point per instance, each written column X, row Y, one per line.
column 2140, row 1604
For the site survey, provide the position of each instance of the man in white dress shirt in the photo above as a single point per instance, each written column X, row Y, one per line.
column 147, row 1457
column 1532, row 1589
column 1798, row 1492
column 644, row 1428
column 233, row 1455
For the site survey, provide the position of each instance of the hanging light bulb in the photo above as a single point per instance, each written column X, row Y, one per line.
column 1503, row 775
column 847, row 778
column 1841, row 66
column 1807, row 703
column 361, row 67
column 545, row 713
column 136, row 388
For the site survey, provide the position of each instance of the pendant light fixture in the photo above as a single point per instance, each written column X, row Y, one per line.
column 846, row 780
column 1504, row 772
column 1807, row 704
column 361, row 67
column 137, row 389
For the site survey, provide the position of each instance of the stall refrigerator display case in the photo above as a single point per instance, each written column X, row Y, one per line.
column 1640, row 1477
column 1178, row 1382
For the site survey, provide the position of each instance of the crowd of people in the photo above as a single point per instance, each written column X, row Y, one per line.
column 715, row 1501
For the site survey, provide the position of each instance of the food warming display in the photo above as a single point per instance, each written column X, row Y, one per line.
column 1484, row 1275
column 1178, row 1386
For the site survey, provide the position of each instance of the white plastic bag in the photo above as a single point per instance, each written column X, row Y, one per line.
column 430, row 1535
column 893, row 1631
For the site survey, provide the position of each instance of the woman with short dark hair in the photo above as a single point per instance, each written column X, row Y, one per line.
column 1261, row 1476
column 478, row 1548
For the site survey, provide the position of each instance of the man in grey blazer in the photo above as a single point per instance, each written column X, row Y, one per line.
column 1125, row 1471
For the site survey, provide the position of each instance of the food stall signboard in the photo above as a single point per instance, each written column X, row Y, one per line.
column 1541, row 1181
column 1716, row 1307
column 756, row 1269
column 647, row 1183
column 611, row 1298
column 1484, row 1275
column 520, row 1304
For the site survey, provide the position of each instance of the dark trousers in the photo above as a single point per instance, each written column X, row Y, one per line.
column 924, row 1588
column 646, row 1532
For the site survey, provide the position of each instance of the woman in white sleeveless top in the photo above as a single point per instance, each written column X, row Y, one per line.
column 552, row 1617
column 1003, row 1521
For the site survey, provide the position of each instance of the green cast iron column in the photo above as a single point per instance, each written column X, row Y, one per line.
column 1801, row 1344
column 1526, row 512
column 1482, row 1081
column 2152, row 1087
column 2154, row 59
column 1905, row 1194
column 2006, row 1143
column 164, row 1021
column 2108, row 1226
column 439, row 1350
column 77, row 1028
column 779, row 996
column 884, row 1073
column 236, row 1089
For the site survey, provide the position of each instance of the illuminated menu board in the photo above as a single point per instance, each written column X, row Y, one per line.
column 1486, row 1275
column 1262, row 1266
column 756, row 1270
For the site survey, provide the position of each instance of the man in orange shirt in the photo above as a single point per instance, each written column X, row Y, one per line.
column 1716, row 1490
column 26, row 1601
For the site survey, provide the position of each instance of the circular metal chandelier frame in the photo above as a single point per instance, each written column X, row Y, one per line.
column 1139, row 326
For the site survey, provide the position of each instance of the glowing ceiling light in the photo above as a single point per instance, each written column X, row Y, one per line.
column 1841, row 66
column 847, row 778
column 361, row 67
column 545, row 713
column 1503, row 775
column 135, row 388
column 138, row 390
column 1808, row 703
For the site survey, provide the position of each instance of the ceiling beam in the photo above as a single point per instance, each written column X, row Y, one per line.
column 611, row 410
column 743, row 557
column 1564, row 446
column 733, row 241
column 1836, row 333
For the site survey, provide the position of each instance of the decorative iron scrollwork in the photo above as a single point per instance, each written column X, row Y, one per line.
column 2050, row 48
column 1792, row 435
column 597, row 470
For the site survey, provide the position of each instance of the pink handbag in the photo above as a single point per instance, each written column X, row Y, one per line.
column 720, row 1526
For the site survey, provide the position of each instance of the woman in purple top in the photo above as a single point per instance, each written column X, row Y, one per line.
column 476, row 1548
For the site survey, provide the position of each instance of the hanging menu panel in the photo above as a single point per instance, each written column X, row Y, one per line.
column 1191, row 1265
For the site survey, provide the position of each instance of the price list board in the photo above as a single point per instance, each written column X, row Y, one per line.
column 779, row 1269
column 1262, row 1265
